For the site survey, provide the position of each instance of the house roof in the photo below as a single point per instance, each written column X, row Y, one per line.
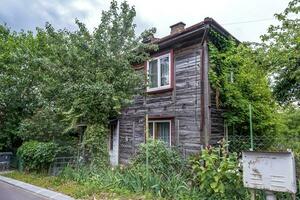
column 192, row 31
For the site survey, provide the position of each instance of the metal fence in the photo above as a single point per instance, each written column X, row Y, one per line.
column 61, row 162
column 5, row 160
column 239, row 143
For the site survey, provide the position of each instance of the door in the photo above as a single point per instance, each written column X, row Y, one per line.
column 114, row 143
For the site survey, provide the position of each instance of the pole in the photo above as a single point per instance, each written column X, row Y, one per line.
column 251, row 131
column 252, row 191
column 270, row 195
column 147, row 136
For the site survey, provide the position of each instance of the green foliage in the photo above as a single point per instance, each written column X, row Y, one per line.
column 217, row 174
column 19, row 77
column 37, row 156
column 54, row 79
column 164, row 176
column 289, row 132
column 239, row 80
column 161, row 159
column 43, row 125
column 170, row 186
column 133, row 179
column 280, row 50
column 72, row 188
column 212, row 175
column 95, row 145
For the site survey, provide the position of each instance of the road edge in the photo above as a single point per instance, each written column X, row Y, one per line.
column 35, row 189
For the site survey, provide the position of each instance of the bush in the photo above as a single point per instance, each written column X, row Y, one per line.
column 166, row 177
column 161, row 159
column 37, row 156
column 217, row 174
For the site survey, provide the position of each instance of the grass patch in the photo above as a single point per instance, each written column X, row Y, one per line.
column 72, row 188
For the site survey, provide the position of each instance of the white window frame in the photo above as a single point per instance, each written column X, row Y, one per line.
column 159, row 87
column 170, row 128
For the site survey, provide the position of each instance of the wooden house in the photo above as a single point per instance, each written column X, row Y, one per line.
column 179, row 102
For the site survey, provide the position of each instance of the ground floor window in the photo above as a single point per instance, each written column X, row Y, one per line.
column 160, row 130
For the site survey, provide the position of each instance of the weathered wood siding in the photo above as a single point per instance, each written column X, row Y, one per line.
column 182, row 103
column 217, row 121
column 187, row 98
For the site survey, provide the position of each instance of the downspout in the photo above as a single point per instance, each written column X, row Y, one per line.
column 205, row 95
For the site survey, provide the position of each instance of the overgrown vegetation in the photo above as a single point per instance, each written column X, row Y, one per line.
column 239, row 81
column 164, row 177
column 168, row 176
column 213, row 174
column 37, row 156
column 73, row 188
column 160, row 159
column 217, row 174
column 54, row 80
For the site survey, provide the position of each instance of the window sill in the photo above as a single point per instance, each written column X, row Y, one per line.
column 159, row 90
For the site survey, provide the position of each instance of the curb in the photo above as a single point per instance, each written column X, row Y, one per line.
column 35, row 189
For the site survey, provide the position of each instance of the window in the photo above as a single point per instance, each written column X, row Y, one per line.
column 160, row 130
column 158, row 70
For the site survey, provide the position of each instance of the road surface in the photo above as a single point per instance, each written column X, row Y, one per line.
column 9, row 192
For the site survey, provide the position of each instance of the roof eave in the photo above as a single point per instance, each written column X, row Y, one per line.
column 192, row 31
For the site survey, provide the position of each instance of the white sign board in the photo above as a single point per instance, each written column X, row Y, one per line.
column 273, row 171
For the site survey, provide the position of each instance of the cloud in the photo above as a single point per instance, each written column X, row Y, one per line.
column 28, row 14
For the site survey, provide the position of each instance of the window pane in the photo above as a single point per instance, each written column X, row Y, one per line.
column 153, row 74
column 164, row 64
column 163, row 131
column 151, row 130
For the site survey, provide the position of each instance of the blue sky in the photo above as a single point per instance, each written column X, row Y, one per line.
column 245, row 19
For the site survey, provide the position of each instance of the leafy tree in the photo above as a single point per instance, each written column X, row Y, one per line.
column 281, row 49
column 19, row 80
column 85, row 77
column 92, row 75
column 44, row 125
column 289, row 132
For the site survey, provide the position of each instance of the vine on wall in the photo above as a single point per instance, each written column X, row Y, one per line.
column 239, row 80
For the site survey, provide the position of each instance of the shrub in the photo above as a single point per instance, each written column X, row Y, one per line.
column 37, row 156
column 95, row 152
column 217, row 174
column 161, row 159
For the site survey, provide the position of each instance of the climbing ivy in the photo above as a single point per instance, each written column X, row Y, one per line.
column 238, row 80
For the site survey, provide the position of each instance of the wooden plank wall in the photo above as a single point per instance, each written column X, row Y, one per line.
column 183, row 103
column 187, row 98
column 217, row 121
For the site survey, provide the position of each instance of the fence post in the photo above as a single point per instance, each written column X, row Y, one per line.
column 147, row 136
column 251, row 131
column 252, row 191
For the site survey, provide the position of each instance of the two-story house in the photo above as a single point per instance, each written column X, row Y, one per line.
column 179, row 102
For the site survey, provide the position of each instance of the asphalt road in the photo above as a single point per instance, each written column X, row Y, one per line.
column 9, row 192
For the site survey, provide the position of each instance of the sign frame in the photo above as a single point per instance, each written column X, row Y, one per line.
column 271, row 171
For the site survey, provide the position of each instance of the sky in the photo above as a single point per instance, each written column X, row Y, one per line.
column 245, row 19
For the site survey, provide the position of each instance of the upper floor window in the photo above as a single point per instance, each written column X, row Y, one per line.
column 158, row 70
